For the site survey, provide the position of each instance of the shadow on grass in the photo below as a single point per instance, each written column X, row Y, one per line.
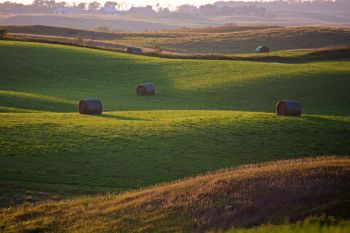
column 328, row 54
column 321, row 92
column 36, row 104
column 328, row 97
column 318, row 119
column 123, row 118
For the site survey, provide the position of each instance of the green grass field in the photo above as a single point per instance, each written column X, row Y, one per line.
column 206, row 115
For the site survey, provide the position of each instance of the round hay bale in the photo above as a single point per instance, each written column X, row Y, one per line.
column 134, row 50
column 90, row 106
column 145, row 89
column 288, row 108
column 262, row 49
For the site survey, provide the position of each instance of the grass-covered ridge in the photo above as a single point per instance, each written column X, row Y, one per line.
column 69, row 154
column 273, row 193
column 74, row 73
column 206, row 115
column 212, row 40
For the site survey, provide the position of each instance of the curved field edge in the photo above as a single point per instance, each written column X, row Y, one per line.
column 247, row 196
column 295, row 55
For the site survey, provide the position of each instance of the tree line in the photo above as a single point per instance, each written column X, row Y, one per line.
column 258, row 8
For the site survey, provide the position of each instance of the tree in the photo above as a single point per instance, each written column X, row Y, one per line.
column 94, row 6
column 50, row 3
column 38, row 3
column 208, row 9
column 122, row 6
column 164, row 10
column 82, row 6
column 188, row 9
column 158, row 7
column 111, row 4
column 61, row 4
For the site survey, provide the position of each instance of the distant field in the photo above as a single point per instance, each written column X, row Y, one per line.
column 142, row 23
column 206, row 40
column 250, row 196
column 275, row 38
column 90, row 21
column 88, row 34
column 206, row 115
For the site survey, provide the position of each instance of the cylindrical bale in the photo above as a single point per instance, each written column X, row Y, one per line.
column 145, row 89
column 262, row 49
column 90, row 106
column 134, row 50
column 288, row 108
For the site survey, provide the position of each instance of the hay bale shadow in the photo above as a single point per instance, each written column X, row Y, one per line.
column 123, row 118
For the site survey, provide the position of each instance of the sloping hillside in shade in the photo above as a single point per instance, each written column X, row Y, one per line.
column 204, row 40
column 248, row 196
column 275, row 38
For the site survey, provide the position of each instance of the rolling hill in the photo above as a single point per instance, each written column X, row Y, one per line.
column 121, row 23
column 206, row 115
column 271, row 193
column 246, row 41
column 226, row 39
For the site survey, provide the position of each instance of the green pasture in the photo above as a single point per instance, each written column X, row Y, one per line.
column 206, row 115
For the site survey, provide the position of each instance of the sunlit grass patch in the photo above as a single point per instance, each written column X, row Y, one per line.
column 206, row 115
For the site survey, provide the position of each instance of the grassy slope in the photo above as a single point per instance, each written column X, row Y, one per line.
column 73, row 73
column 219, row 114
column 243, row 41
column 217, row 40
column 310, row 225
column 271, row 193
column 276, row 39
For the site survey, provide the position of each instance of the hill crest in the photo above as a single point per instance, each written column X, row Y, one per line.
column 246, row 196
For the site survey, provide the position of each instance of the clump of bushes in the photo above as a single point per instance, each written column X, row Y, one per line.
column 3, row 32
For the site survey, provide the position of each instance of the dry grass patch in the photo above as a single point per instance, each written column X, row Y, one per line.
column 247, row 196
